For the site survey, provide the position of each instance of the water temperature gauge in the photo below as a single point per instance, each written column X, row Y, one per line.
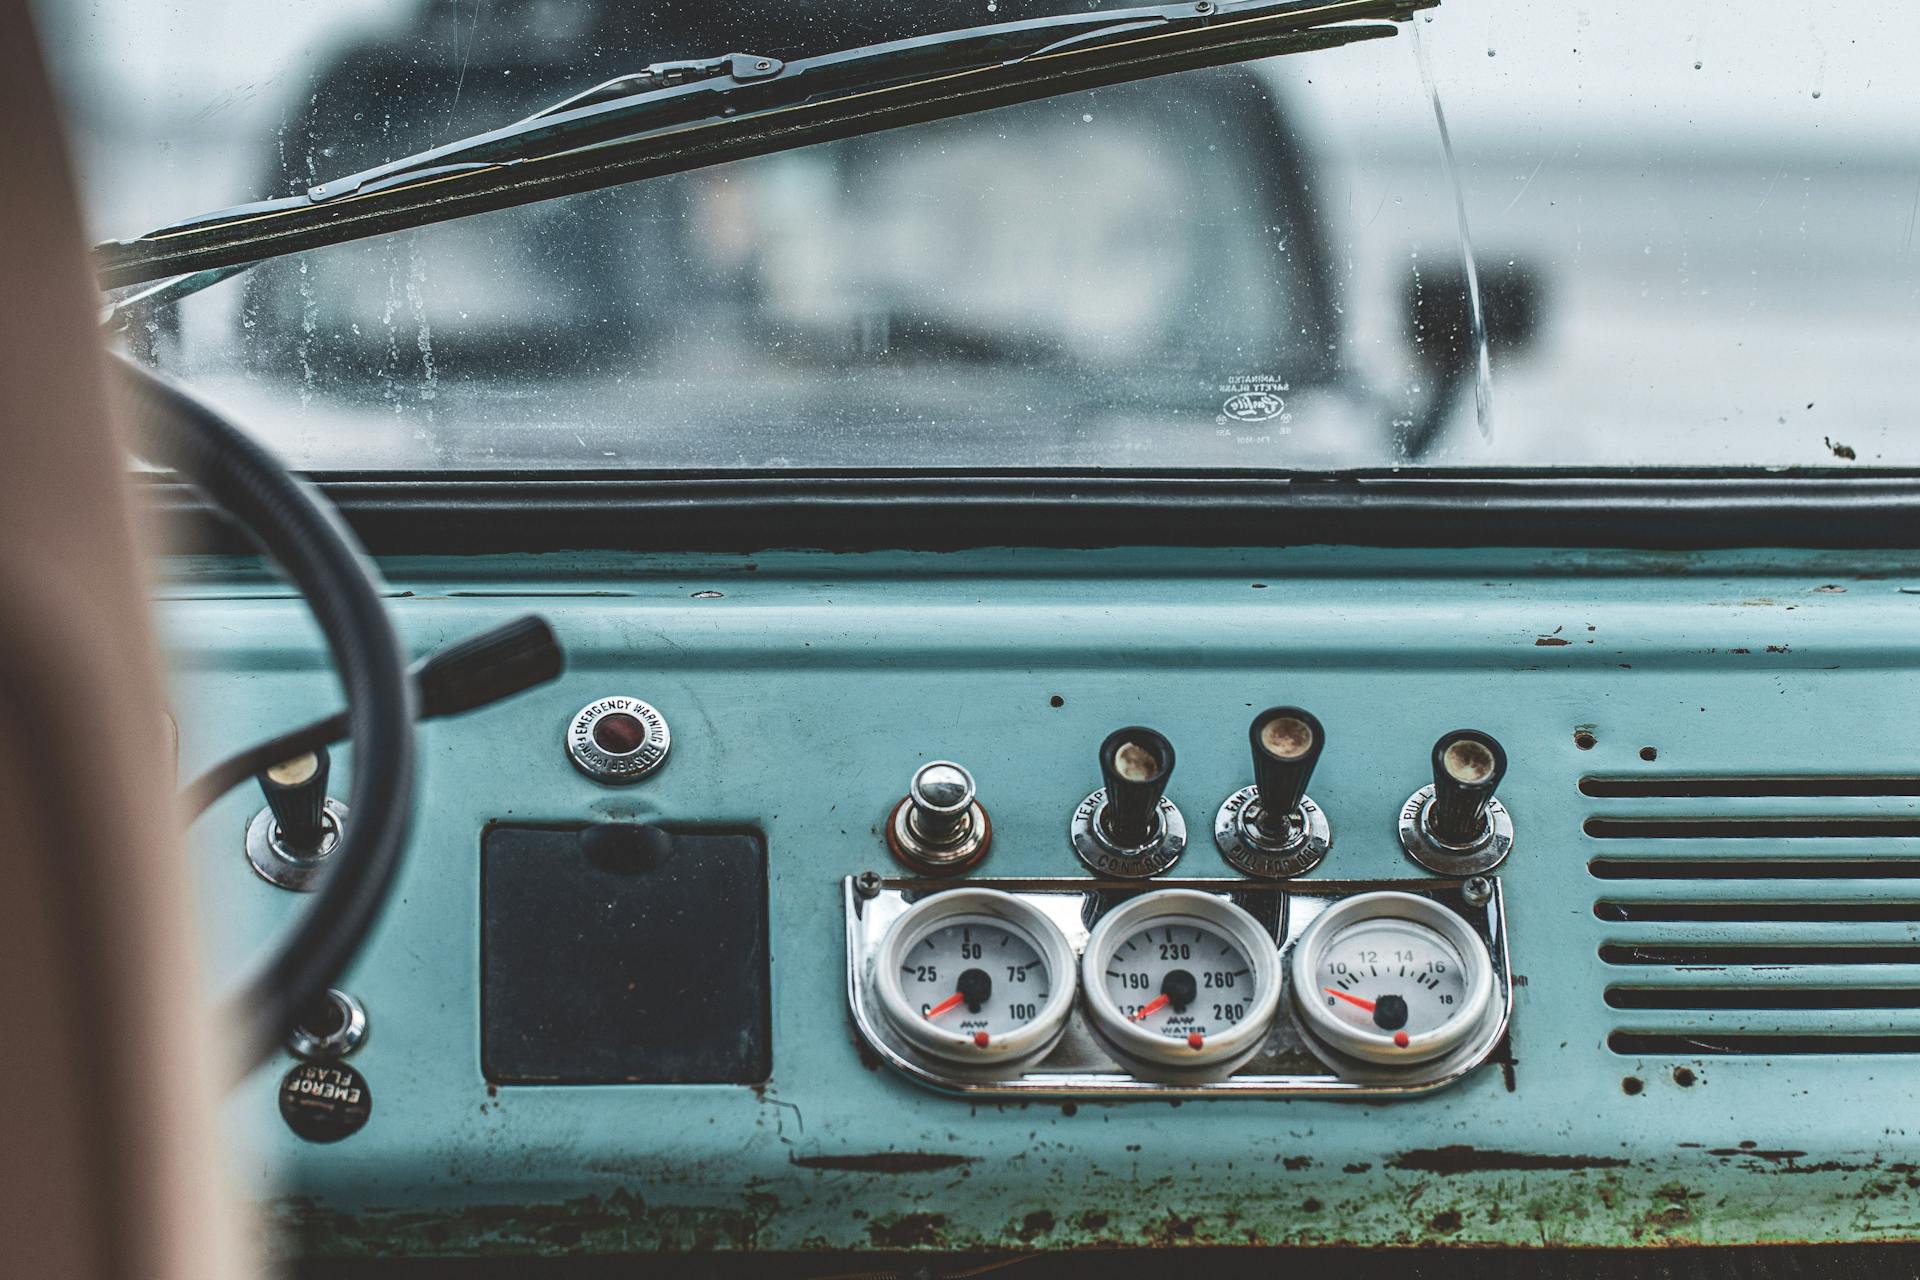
column 1391, row 978
column 976, row 977
column 1181, row 984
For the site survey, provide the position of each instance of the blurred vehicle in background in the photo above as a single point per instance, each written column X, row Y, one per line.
column 1055, row 275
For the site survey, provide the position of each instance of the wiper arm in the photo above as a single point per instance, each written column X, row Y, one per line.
column 676, row 116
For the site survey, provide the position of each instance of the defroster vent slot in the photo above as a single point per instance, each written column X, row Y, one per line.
column 1733, row 925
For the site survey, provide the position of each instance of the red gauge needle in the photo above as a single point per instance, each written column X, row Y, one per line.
column 1341, row 995
column 951, row 1002
column 1152, row 1007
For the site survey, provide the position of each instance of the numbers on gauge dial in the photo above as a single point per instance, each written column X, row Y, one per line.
column 975, row 976
column 1392, row 977
column 1182, row 979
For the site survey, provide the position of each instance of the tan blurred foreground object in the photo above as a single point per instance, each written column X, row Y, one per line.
column 108, row 1152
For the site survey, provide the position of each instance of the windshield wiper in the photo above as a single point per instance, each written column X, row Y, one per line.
column 676, row 116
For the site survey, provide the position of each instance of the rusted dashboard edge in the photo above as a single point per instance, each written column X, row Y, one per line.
column 446, row 512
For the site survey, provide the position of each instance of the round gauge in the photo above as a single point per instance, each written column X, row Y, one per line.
column 1391, row 978
column 976, row 976
column 1181, row 981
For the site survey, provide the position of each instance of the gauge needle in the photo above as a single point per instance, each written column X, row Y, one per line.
column 951, row 1002
column 1152, row 1007
column 1341, row 995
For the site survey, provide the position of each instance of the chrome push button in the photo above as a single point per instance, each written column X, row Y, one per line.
column 618, row 740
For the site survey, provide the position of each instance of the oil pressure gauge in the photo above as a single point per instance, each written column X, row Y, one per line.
column 1391, row 978
column 976, row 977
column 1180, row 984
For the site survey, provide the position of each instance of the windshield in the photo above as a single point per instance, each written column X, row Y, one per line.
column 1693, row 234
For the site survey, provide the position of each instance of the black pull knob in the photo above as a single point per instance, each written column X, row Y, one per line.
column 1467, row 766
column 1286, row 745
column 296, row 791
column 1135, row 764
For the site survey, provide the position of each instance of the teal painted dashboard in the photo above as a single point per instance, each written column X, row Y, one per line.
column 1635, row 1104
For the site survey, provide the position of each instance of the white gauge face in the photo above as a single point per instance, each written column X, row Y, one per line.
column 976, row 975
column 1391, row 976
column 1181, row 978
column 1181, row 984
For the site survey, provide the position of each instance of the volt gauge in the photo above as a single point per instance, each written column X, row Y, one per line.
column 976, row 977
column 1391, row 978
column 1181, row 984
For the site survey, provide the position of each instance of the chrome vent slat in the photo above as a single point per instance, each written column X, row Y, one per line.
column 1756, row 915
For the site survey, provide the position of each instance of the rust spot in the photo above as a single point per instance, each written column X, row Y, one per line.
column 1173, row 1228
column 884, row 1162
column 1631, row 1085
column 908, row 1231
column 1460, row 1158
column 1091, row 1222
column 1649, row 754
column 1294, row 1164
column 1361, row 1167
column 1779, row 648
column 1444, row 1223
column 1550, row 642
column 1739, row 651
column 1036, row 1224
column 1069, row 1109
column 1311, row 1205
column 868, row 1059
column 1757, row 1154
column 1584, row 739
column 1844, row 452
column 1684, row 1077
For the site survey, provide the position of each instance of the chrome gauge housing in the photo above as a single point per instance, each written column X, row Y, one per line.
column 1180, row 984
column 1392, row 979
column 976, row 977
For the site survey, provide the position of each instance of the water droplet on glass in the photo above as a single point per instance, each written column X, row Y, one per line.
column 1088, row 118
column 1696, row 66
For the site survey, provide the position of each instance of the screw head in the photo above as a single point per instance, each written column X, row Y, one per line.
column 867, row 884
column 1478, row 891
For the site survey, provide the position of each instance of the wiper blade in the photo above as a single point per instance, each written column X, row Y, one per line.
column 676, row 116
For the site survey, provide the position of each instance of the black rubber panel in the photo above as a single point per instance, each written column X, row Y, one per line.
column 619, row 953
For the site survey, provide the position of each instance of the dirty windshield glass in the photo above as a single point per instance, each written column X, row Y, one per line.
column 1691, row 232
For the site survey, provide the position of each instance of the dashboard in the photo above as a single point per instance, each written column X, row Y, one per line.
column 662, row 968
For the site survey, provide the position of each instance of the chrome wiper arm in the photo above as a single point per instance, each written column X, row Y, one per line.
column 672, row 117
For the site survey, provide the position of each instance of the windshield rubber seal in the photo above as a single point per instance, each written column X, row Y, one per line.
column 462, row 513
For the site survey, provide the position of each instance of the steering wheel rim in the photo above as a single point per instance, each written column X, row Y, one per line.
column 294, row 526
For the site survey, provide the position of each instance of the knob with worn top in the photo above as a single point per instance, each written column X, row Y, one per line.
column 1286, row 745
column 296, row 791
column 1135, row 764
column 1467, row 767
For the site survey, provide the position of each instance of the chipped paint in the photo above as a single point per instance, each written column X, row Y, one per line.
column 844, row 1154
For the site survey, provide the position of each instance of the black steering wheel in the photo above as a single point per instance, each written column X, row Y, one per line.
column 292, row 524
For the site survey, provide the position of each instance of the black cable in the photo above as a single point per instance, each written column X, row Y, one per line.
column 320, row 556
column 461, row 676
